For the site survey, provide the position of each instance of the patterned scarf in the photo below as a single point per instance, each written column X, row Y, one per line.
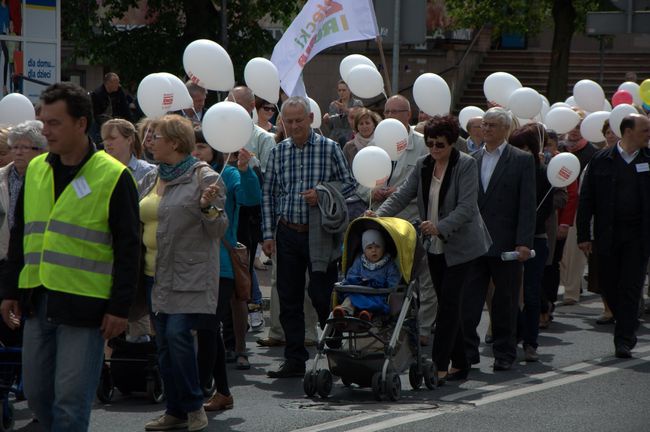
column 376, row 265
column 15, row 184
column 172, row 172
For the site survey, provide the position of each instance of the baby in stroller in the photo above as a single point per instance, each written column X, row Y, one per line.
column 373, row 268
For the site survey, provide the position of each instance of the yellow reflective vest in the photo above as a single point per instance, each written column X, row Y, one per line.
column 67, row 242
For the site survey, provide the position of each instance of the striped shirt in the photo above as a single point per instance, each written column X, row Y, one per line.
column 291, row 170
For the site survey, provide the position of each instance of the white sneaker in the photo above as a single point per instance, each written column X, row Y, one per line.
column 197, row 420
column 256, row 320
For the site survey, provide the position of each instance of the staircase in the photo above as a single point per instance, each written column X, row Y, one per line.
column 532, row 70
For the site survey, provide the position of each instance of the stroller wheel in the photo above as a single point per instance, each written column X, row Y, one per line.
column 415, row 377
column 377, row 386
column 431, row 376
column 106, row 387
column 7, row 415
column 324, row 383
column 393, row 386
column 309, row 383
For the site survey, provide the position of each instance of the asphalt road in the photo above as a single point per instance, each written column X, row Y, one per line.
column 577, row 386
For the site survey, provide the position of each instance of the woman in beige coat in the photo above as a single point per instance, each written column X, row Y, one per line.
column 181, row 208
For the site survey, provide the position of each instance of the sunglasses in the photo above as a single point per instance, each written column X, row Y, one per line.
column 437, row 144
column 269, row 108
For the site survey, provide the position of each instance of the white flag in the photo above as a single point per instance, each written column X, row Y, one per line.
column 320, row 25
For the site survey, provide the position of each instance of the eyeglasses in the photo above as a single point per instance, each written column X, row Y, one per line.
column 487, row 125
column 23, row 148
column 389, row 112
column 269, row 108
column 432, row 142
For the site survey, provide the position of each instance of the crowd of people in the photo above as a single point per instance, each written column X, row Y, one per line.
column 140, row 237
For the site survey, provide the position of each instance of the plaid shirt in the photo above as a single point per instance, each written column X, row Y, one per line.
column 291, row 170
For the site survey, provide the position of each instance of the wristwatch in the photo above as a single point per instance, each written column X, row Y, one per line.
column 211, row 210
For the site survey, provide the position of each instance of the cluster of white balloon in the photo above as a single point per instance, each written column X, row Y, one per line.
column 227, row 126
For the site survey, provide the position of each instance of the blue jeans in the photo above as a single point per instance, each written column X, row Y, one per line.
column 256, row 293
column 61, row 369
column 177, row 362
column 533, row 274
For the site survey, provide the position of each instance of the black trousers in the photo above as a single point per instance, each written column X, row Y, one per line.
column 551, row 278
column 505, row 306
column 449, row 340
column 292, row 253
column 620, row 276
column 211, row 353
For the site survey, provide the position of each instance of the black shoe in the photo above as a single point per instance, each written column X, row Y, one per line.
column 603, row 320
column 502, row 365
column 623, row 352
column 288, row 370
column 459, row 375
column 489, row 339
column 231, row 357
column 474, row 360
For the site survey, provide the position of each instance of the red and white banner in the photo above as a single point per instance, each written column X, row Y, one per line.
column 320, row 25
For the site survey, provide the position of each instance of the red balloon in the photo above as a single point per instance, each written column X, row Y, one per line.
column 622, row 97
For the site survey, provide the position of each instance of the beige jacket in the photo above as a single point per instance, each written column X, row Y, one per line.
column 4, row 205
column 187, row 264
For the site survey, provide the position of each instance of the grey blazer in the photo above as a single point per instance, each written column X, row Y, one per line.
column 461, row 228
column 508, row 206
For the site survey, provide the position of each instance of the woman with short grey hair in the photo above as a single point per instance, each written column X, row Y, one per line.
column 25, row 142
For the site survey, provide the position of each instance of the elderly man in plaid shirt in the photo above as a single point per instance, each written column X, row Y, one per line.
column 295, row 167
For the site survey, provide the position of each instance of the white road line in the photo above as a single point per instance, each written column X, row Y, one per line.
column 398, row 421
column 341, row 422
column 558, row 382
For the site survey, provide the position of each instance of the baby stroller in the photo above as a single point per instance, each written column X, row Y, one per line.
column 133, row 367
column 374, row 353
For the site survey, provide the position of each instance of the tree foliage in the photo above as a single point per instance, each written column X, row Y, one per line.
column 172, row 24
column 529, row 17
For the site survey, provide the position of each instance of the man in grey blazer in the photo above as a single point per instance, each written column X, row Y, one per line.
column 506, row 200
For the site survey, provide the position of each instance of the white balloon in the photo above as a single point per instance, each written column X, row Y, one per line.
column 371, row 166
column 16, row 109
column 634, row 89
column 392, row 137
column 525, row 103
column 315, row 109
column 155, row 95
column 499, row 86
column 545, row 109
column 607, row 106
column 467, row 113
column 182, row 98
column 592, row 125
column 589, row 95
column 262, row 77
column 563, row 169
column 560, row 104
column 227, row 127
column 571, row 101
column 209, row 65
column 545, row 99
column 365, row 81
column 431, row 94
column 562, row 119
column 617, row 115
column 351, row 61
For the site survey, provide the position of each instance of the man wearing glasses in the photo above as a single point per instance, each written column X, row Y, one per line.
column 507, row 201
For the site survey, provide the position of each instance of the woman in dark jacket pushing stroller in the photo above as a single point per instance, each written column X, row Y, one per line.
column 445, row 183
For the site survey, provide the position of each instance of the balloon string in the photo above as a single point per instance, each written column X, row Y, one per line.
column 225, row 163
column 146, row 134
column 542, row 201
column 384, row 93
column 370, row 201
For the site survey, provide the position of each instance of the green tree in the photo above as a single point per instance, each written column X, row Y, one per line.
column 159, row 46
column 528, row 17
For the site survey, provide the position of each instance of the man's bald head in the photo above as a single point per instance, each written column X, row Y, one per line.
column 399, row 108
column 243, row 96
column 635, row 130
